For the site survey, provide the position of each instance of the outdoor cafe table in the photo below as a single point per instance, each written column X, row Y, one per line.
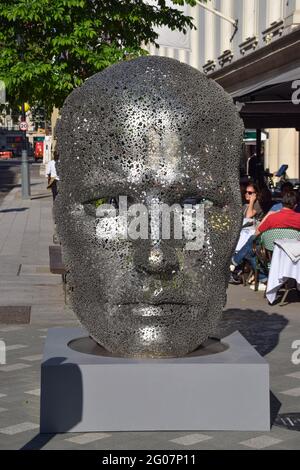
column 282, row 268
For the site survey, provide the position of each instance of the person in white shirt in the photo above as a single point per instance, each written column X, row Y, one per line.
column 52, row 176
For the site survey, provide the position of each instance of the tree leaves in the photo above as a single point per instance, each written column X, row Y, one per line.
column 49, row 47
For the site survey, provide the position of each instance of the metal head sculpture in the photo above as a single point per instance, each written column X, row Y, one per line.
column 156, row 131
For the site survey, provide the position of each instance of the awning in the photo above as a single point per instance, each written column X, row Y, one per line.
column 269, row 87
column 267, row 115
column 268, row 103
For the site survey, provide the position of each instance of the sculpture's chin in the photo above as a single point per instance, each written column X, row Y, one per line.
column 138, row 330
column 156, row 349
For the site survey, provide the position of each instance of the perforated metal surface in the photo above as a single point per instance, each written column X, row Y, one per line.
column 149, row 129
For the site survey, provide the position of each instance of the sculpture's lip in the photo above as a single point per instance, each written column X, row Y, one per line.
column 157, row 304
column 141, row 310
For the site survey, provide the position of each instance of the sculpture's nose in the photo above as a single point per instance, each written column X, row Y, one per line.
column 157, row 257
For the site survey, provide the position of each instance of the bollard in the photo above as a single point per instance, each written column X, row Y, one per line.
column 25, row 176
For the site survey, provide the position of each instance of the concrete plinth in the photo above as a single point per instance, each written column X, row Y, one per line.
column 207, row 390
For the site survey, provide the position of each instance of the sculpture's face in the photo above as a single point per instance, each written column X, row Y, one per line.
column 152, row 130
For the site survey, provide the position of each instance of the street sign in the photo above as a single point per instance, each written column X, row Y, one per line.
column 23, row 126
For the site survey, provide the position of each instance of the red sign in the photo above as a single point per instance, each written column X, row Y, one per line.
column 38, row 150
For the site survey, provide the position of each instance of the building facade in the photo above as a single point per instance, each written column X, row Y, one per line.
column 219, row 43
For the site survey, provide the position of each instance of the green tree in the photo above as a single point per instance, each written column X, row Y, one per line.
column 49, row 47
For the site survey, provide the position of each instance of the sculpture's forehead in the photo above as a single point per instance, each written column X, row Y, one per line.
column 152, row 122
column 154, row 104
column 123, row 156
column 134, row 149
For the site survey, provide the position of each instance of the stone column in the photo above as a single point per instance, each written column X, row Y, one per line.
column 274, row 10
column 249, row 19
column 226, row 27
column 209, row 26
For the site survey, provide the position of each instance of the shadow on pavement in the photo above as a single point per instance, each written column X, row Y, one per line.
column 41, row 196
column 38, row 442
column 260, row 329
column 61, row 410
column 275, row 406
column 290, row 421
column 293, row 296
column 19, row 209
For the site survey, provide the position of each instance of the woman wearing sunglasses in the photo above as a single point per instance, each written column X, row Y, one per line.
column 252, row 208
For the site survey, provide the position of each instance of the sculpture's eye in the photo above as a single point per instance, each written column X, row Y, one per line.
column 112, row 201
column 93, row 205
column 194, row 201
column 208, row 204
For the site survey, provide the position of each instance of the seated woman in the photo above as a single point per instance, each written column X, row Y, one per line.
column 286, row 218
column 252, row 208
column 257, row 204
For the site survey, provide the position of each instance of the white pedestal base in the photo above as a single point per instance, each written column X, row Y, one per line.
column 88, row 393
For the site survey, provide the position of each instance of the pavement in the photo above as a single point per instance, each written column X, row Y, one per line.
column 26, row 231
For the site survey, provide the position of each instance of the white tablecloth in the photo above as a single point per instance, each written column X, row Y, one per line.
column 282, row 269
column 246, row 233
